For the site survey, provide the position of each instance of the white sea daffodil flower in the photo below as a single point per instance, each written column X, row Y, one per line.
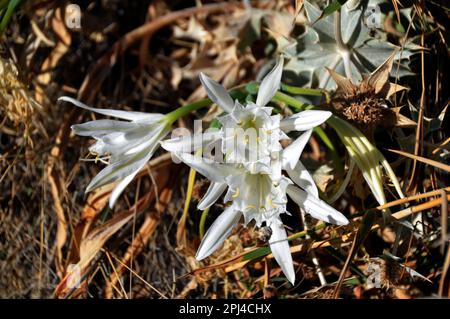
column 129, row 144
column 257, row 189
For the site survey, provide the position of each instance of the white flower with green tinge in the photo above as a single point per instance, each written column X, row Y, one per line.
column 129, row 144
column 257, row 189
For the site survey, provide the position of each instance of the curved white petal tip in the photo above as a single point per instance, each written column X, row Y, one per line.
column 304, row 120
column 213, row 193
column 315, row 207
column 218, row 232
column 217, row 93
column 291, row 154
column 270, row 84
column 280, row 250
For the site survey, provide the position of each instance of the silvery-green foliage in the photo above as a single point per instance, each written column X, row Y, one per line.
column 359, row 52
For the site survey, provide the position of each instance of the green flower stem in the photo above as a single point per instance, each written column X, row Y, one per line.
column 301, row 91
column 291, row 101
column 189, row 108
column 203, row 222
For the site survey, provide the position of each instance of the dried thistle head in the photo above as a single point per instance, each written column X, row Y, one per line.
column 365, row 104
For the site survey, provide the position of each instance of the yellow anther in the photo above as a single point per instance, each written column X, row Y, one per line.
column 271, row 203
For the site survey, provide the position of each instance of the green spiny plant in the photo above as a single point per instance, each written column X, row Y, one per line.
column 341, row 42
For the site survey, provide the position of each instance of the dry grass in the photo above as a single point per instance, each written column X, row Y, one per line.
column 146, row 56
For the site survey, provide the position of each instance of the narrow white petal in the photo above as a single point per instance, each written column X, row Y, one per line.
column 113, row 143
column 291, row 154
column 316, row 207
column 215, row 190
column 190, row 143
column 119, row 144
column 217, row 93
column 300, row 176
column 126, row 115
column 270, row 84
column 101, row 127
column 280, row 250
column 304, row 120
column 153, row 135
column 214, row 171
column 120, row 188
column 238, row 112
column 124, row 167
column 218, row 232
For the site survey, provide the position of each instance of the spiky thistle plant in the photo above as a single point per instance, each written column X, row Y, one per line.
column 341, row 42
column 365, row 104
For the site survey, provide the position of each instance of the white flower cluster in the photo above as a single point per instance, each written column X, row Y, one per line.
column 252, row 170
column 129, row 144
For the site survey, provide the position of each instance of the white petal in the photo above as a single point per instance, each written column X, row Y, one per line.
column 218, row 232
column 238, row 111
column 120, row 188
column 126, row 115
column 124, row 167
column 215, row 190
column 270, row 84
column 153, row 135
column 214, row 171
column 291, row 154
column 113, row 143
column 280, row 250
column 304, row 120
column 101, row 127
column 217, row 93
column 189, row 143
column 316, row 207
column 300, row 176
column 135, row 140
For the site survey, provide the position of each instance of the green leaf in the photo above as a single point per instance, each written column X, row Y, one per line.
column 331, row 8
column 301, row 91
column 258, row 253
column 8, row 14
column 252, row 88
